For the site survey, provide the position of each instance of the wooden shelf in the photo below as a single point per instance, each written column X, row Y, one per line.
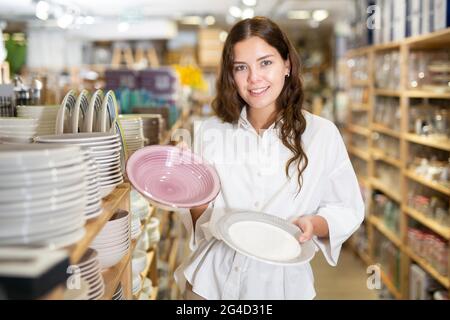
column 379, row 224
column 437, row 39
column 429, row 183
column 150, row 257
column 362, row 154
column 359, row 83
column 383, row 129
column 363, row 180
column 441, row 230
column 445, row 281
column 93, row 226
column 173, row 254
column 387, row 46
column 357, row 107
column 378, row 154
column 113, row 275
column 387, row 92
column 386, row 190
column 359, row 130
column 398, row 191
column 390, row 285
column 426, row 94
column 154, row 294
column 442, row 144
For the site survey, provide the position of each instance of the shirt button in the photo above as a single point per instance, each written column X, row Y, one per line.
column 236, row 269
column 259, row 173
column 256, row 204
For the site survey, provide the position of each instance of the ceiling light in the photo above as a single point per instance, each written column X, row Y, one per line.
column 223, row 36
column 42, row 9
column 210, row 20
column 320, row 15
column 299, row 14
column 123, row 27
column 191, row 20
column 248, row 13
column 235, row 12
column 249, row 3
column 314, row 24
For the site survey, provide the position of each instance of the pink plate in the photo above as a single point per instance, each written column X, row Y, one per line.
column 173, row 177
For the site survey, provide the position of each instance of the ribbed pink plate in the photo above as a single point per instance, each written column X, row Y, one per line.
column 173, row 177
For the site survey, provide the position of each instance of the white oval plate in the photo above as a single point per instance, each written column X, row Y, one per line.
column 307, row 249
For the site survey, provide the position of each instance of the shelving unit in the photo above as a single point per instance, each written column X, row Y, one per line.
column 373, row 155
column 120, row 272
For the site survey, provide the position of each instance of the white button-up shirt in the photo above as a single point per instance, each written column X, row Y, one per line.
column 251, row 168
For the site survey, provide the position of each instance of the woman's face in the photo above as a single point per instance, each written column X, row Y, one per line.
column 259, row 72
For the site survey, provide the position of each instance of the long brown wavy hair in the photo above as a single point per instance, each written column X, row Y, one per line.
column 228, row 104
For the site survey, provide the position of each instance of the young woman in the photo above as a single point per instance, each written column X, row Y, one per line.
column 273, row 157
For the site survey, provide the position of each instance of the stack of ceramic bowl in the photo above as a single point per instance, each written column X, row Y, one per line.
column 137, row 284
column 172, row 178
column 146, row 289
column 45, row 114
column 138, row 261
column 133, row 133
column 104, row 149
column 118, row 295
column 152, row 229
column 139, row 205
column 113, row 241
column 89, row 268
column 135, row 227
column 22, row 130
column 42, row 194
column 94, row 203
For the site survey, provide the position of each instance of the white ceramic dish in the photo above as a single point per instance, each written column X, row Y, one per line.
column 78, row 137
column 223, row 226
column 79, row 114
column 65, row 111
column 35, row 156
column 139, row 261
column 94, row 104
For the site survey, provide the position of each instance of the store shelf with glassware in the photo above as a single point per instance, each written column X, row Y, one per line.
column 398, row 139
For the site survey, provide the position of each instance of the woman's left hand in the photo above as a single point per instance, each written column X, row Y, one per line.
column 306, row 225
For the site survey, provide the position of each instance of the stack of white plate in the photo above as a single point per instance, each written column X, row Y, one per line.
column 113, row 241
column 118, row 295
column 133, row 133
column 104, row 149
column 45, row 114
column 139, row 205
column 137, row 284
column 89, row 268
column 94, row 201
column 135, row 227
column 42, row 194
column 23, row 130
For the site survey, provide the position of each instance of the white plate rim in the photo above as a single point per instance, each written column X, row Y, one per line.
column 307, row 248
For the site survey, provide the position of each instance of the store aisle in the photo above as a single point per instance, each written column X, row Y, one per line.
column 346, row 281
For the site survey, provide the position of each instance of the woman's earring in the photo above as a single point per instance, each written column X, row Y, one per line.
column 287, row 75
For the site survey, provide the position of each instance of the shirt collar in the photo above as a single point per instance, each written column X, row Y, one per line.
column 244, row 123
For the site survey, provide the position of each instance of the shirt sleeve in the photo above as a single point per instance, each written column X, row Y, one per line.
column 342, row 205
